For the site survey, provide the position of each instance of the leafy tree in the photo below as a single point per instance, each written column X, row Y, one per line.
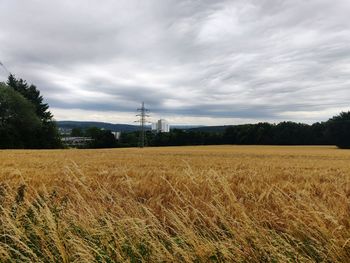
column 291, row 133
column 129, row 139
column 31, row 93
column 47, row 136
column 77, row 132
column 264, row 133
column 320, row 135
column 18, row 120
column 339, row 129
column 230, row 135
column 101, row 138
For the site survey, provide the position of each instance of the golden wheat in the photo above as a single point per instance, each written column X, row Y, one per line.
column 176, row 204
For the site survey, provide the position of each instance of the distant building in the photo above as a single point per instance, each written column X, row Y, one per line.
column 116, row 135
column 76, row 141
column 64, row 131
column 161, row 126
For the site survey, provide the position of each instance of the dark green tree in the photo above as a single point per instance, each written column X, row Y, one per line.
column 291, row 133
column 339, row 130
column 47, row 136
column 31, row 93
column 101, row 138
column 77, row 132
column 18, row 120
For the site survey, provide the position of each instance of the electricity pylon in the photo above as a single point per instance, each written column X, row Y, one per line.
column 142, row 120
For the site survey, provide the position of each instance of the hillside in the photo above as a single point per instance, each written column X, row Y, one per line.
column 115, row 127
column 102, row 125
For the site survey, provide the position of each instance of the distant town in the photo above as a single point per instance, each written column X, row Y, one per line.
column 160, row 126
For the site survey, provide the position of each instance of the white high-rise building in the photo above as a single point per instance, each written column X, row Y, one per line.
column 161, row 126
column 116, row 135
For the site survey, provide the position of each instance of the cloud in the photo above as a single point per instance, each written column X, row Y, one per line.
column 190, row 61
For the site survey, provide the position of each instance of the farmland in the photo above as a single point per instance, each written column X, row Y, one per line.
column 176, row 204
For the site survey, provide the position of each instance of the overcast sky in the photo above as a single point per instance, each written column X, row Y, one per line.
column 192, row 62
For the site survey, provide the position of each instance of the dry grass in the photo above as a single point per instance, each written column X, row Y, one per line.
column 177, row 204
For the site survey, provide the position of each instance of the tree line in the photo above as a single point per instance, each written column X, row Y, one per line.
column 101, row 138
column 26, row 122
column 335, row 131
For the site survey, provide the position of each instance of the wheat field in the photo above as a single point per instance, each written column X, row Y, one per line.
column 176, row 204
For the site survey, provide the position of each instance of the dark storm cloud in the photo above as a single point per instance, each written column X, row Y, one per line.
column 257, row 60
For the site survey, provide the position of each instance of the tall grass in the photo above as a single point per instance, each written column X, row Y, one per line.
column 191, row 204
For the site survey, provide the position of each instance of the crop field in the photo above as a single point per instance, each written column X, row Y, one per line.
column 176, row 204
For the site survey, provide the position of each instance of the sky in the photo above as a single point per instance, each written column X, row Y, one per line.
column 191, row 62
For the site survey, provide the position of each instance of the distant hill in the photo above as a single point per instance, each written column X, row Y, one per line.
column 101, row 125
column 185, row 127
column 113, row 127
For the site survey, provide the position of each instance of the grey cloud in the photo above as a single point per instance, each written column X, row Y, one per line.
column 256, row 59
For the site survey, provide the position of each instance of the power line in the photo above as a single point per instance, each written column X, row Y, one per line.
column 142, row 120
column 4, row 67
